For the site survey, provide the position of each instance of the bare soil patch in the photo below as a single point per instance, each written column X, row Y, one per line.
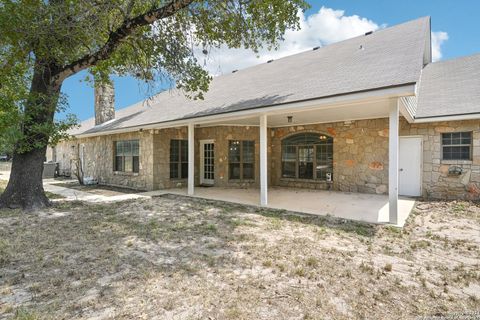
column 3, row 185
column 103, row 190
column 174, row 257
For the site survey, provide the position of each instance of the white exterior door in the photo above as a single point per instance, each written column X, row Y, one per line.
column 207, row 162
column 410, row 166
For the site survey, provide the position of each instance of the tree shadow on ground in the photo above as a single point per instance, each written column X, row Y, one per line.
column 80, row 260
column 356, row 227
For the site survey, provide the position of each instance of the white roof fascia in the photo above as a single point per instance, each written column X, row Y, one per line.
column 406, row 106
column 460, row 117
column 320, row 103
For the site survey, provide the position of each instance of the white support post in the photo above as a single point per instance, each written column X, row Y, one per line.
column 191, row 158
column 263, row 161
column 393, row 146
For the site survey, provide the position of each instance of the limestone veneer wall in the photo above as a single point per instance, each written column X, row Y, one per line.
column 436, row 182
column 99, row 159
column 360, row 156
column 221, row 136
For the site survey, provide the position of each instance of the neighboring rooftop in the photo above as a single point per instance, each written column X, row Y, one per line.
column 387, row 57
column 450, row 87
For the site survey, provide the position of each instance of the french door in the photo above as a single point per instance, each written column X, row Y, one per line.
column 207, row 162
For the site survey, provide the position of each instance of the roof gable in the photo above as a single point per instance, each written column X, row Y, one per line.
column 449, row 88
column 387, row 57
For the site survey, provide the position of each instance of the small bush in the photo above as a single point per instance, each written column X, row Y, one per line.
column 421, row 244
column 22, row 314
column 267, row 263
column 312, row 262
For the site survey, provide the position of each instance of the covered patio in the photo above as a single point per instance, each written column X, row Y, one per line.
column 371, row 208
column 364, row 126
column 384, row 103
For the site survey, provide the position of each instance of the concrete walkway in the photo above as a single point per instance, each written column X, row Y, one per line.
column 70, row 194
column 4, row 175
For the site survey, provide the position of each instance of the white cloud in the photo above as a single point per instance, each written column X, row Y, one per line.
column 438, row 38
column 319, row 29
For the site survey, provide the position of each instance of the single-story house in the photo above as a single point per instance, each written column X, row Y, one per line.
column 368, row 115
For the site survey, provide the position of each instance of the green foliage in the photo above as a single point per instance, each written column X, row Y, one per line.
column 152, row 40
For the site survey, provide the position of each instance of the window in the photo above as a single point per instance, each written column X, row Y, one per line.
column 307, row 156
column 127, row 156
column 457, row 145
column 241, row 160
column 178, row 159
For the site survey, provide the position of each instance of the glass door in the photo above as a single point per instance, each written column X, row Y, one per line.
column 207, row 161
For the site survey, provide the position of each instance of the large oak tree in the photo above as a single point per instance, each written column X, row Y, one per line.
column 43, row 42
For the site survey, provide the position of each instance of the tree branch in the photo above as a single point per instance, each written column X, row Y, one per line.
column 116, row 37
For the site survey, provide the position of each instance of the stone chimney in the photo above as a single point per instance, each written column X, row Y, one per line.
column 104, row 103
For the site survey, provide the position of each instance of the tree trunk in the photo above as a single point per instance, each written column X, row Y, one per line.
column 25, row 187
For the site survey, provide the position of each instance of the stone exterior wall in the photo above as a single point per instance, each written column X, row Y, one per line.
column 99, row 160
column 51, row 154
column 161, row 158
column 104, row 103
column 220, row 136
column 360, row 157
column 437, row 183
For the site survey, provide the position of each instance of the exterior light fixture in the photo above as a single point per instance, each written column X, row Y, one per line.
column 289, row 119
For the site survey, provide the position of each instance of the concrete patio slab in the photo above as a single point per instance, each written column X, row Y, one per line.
column 370, row 208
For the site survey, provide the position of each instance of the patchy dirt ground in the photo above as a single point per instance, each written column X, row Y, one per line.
column 102, row 190
column 3, row 185
column 178, row 258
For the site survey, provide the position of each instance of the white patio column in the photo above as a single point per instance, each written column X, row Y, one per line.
column 191, row 158
column 393, row 142
column 263, row 161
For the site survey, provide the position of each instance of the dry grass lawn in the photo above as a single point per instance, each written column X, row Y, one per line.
column 178, row 258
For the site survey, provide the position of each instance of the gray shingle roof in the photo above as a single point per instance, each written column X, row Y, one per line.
column 388, row 57
column 450, row 87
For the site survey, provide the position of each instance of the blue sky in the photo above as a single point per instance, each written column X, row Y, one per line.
column 455, row 23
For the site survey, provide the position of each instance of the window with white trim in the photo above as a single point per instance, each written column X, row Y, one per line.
column 127, row 157
column 457, row 146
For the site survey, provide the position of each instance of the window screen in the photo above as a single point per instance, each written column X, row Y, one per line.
column 127, row 156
